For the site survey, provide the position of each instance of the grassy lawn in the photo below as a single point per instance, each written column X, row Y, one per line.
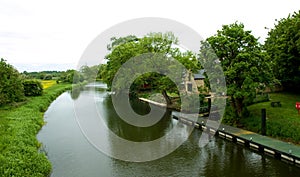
column 282, row 122
column 19, row 125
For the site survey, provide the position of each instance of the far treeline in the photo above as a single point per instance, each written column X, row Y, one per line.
column 87, row 73
column 15, row 86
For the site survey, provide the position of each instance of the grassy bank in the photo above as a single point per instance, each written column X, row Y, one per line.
column 19, row 155
column 282, row 122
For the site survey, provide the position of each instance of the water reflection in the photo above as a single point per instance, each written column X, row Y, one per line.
column 130, row 132
column 95, row 86
column 75, row 92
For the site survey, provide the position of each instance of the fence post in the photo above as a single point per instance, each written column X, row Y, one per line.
column 263, row 122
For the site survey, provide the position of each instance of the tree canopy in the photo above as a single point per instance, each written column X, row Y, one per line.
column 245, row 65
column 11, row 87
column 283, row 46
column 125, row 48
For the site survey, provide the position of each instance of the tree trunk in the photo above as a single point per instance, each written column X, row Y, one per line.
column 239, row 107
column 233, row 105
column 167, row 98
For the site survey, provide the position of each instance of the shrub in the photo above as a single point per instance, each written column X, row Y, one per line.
column 32, row 88
column 230, row 117
column 48, row 77
column 11, row 88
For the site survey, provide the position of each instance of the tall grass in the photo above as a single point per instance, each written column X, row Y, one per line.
column 19, row 155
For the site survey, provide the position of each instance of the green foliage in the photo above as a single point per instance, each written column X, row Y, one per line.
column 229, row 117
column 19, row 155
column 43, row 75
column 11, row 88
column 48, row 77
column 71, row 76
column 89, row 73
column 246, row 67
column 101, row 71
column 86, row 73
column 283, row 46
column 118, row 41
column 32, row 88
column 158, row 44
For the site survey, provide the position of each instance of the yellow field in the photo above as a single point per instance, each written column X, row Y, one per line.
column 48, row 83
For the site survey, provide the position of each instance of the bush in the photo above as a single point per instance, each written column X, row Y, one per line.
column 229, row 117
column 48, row 77
column 11, row 88
column 32, row 88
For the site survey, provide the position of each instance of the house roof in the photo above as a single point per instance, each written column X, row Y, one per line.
column 199, row 75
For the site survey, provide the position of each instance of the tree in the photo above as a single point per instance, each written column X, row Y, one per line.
column 101, row 71
column 118, row 41
column 283, row 46
column 157, row 44
column 245, row 65
column 48, row 77
column 11, row 88
column 71, row 76
column 89, row 73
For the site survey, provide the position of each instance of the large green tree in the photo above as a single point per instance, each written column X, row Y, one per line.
column 283, row 46
column 125, row 48
column 246, row 67
column 11, row 87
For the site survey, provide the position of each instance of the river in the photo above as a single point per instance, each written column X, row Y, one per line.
column 73, row 155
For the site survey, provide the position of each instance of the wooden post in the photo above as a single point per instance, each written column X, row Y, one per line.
column 209, row 104
column 263, row 122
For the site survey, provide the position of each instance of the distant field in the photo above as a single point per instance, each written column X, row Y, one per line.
column 282, row 122
column 48, row 83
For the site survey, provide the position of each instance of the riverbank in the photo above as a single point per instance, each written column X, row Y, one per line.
column 159, row 100
column 19, row 147
column 282, row 121
column 267, row 145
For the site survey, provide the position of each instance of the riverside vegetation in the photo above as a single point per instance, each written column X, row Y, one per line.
column 19, row 147
column 23, row 101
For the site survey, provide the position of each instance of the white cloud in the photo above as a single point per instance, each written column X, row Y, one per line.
column 56, row 31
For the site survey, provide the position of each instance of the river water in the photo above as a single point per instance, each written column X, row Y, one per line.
column 73, row 155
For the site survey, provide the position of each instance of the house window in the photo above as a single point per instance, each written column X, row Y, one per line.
column 190, row 87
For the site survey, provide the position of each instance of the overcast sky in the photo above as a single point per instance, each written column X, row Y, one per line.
column 58, row 31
